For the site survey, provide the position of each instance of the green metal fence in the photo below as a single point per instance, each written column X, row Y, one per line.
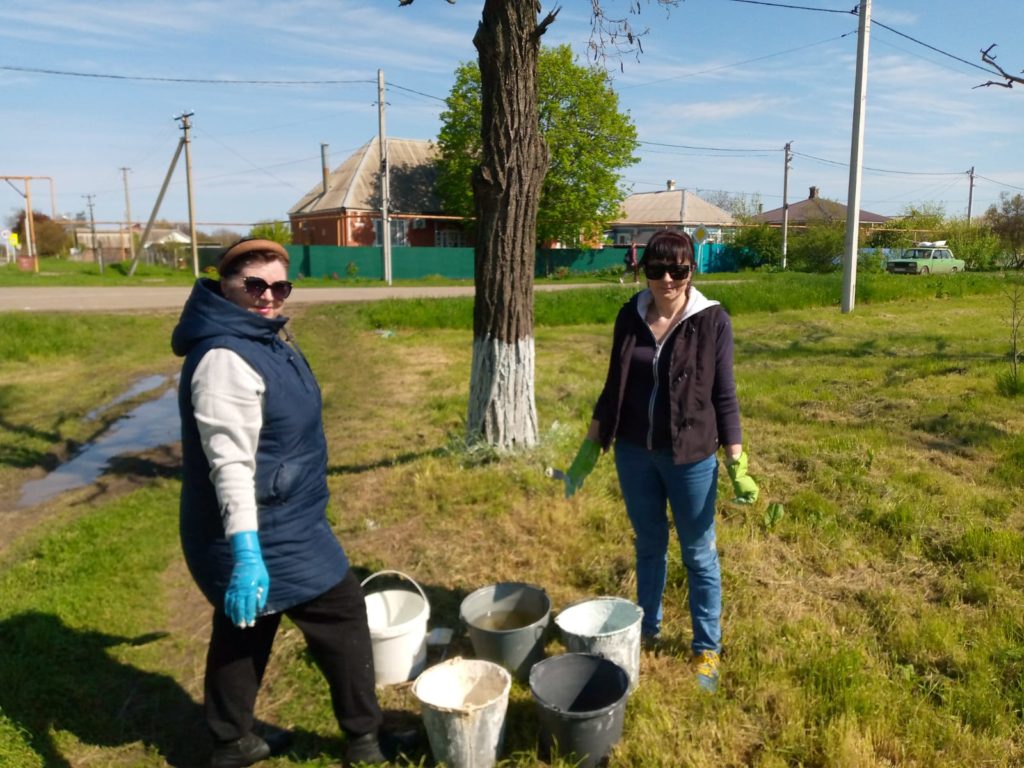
column 413, row 263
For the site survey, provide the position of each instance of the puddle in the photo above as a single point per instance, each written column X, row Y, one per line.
column 150, row 425
column 141, row 386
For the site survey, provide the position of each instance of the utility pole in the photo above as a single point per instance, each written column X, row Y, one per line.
column 96, row 250
column 30, row 227
column 856, row 152
column 128, row 213
column 785, row 200
column 185, row 125
column 970, row 194
column 385, row 195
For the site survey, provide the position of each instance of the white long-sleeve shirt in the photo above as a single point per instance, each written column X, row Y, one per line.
column 227, row 399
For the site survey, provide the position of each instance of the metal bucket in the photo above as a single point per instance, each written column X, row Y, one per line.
column 507, row 623
column 463, row 703
column 607, row 626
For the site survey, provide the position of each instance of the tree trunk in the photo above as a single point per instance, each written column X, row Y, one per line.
column 506, row 188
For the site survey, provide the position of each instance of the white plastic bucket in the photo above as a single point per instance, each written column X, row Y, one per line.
column 398, row 630
column 607, row 626
column 463, row 703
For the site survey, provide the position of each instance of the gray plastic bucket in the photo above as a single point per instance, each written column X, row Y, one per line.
column 463, row 704
column 607, row 626
column 506, row 624
column 397, row 619
column 581, row 705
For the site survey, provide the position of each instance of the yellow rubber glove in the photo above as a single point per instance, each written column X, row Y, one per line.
column 743, row 485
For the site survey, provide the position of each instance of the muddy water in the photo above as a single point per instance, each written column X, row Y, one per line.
column 150, row 425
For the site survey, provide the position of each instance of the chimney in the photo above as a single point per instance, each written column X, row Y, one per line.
column 670, row 184
column 323, row 165
column 814, row 193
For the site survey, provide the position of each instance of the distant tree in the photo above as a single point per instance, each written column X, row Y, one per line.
column 1007, row 221
column 818, row 248
column 222, row 236
column 278, row 231
column 741, row 205
column 755, row 245
column 51, row 237
column 589, row 141
column 974, row 242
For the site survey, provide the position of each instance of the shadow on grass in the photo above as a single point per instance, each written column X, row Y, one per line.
column 56, row 678
column 391, row 461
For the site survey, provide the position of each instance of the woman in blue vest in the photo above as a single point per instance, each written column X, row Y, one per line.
column 253, row 501
column 668, row 403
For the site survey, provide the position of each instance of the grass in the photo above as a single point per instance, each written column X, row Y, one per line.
column 877, row 622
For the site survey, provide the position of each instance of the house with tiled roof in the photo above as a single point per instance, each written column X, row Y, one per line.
column 344, row 208
column 644, row 213
column 816, row 209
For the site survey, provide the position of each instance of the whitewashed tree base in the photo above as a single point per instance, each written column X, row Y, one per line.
column 502, row 408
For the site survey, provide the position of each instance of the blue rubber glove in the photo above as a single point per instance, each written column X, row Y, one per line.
column 250, row 582
column 582, row 466
column 743, row 485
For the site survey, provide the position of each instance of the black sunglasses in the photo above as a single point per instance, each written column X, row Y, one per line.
column 257, row 286
column 675, row 271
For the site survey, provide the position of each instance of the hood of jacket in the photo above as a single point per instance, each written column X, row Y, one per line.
column 695, row 302
column 207, row 314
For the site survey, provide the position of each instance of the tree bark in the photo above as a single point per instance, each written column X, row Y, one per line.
column 506, row 188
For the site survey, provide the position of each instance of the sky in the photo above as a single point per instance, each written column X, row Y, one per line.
column 720, row 87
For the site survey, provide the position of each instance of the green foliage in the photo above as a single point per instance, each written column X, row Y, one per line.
column 976, row 243
column 277, row 231
column 52, row 239
column 755, row 246
column 815, row 248
column 588, row 138
column 1007, row 221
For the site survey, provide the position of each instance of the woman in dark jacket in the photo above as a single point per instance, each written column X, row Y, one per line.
column 668, row 403
column 253, row 507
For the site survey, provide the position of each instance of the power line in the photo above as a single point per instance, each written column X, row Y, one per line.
column 796, row 7
column 930, row 47
column 1000, row 183
column 207, row 81
column 708, row 149
column 881, row 170
column 874, row 23
column 736, row 63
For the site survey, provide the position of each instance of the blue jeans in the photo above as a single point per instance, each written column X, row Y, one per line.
column 650, row 481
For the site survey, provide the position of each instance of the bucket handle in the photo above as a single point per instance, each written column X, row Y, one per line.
column 405, row 576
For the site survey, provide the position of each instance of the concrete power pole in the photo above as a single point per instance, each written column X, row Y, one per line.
column 185, row 126
column 96, row 250
column 128, row 213
column 970, row 194
column 856, row 159
column 385, row 194
column 785, row 200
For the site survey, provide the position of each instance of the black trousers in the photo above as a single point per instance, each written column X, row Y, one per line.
column 336, row 632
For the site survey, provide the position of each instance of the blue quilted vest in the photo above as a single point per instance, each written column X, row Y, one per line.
column 302, row 555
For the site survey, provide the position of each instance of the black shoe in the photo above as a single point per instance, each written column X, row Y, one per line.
column 245, row 751
column 278, row 739
column 364, row 749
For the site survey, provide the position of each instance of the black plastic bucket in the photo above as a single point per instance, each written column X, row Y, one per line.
column 581, row 705
column 507, row 623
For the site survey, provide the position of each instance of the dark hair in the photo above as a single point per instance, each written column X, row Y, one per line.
column 246, row 251
column 668, row 247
